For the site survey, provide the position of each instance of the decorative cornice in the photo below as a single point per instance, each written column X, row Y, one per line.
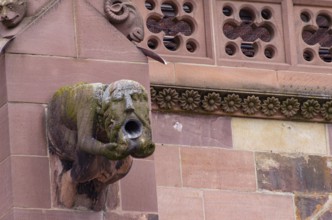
column 298, row 107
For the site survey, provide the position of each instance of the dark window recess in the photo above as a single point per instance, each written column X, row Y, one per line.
column 191, row 46
column 187, row 7
column 152, row 43
column 248, row 32
column 246, row 15
column 149, row 5
column 171, row 43
column 169, row 25
column 323, row 21
column 321, row 36
column 230, row 49
column 325, row 54
column 169, row 9
column 248, row 49
column 308, row 55
column 266, row 14
column 305, row 16
column 227, row 11
column 269, row 52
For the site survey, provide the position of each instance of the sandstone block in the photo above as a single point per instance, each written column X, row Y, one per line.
column 279, row 136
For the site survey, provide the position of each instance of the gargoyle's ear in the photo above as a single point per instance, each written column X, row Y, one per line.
column 106, row 99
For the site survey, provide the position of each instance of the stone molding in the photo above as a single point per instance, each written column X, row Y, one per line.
column 302, row 107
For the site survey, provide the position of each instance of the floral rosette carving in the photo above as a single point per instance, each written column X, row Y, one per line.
column 167, row 98
column 153, row 93
column 290, row 107
column 231, row 103
column 190, row 100
column 327, row 110
column 251, row 105
column 310, row 108
column 270, row 106
column 211, row 102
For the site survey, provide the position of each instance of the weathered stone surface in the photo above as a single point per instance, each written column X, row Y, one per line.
column 28, row 214
column 329, row 131
column 314, row 206
column 138, row 188
column 97, row 38
column 279, row 136
column 3, row 87
column 167, row 164
column 225, row 77
column 186, row 130
column 6, row 196
column 326, row 216
column 4, row 133
column 218, row 169
column 160, row 73
column 45, row 37
column 48, row 73
column 294, row 173
column 113, row 198
column 31, row 182
column 129, row 216
column 221, row 205
column 180, row 203
column 7, row 216
column 23, row 117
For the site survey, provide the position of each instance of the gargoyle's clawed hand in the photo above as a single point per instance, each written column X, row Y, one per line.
column 110, row 150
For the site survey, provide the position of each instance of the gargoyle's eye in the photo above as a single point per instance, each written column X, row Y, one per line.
column 10, row 6
column 135, row 97
column 117, row 98
column 1, row 8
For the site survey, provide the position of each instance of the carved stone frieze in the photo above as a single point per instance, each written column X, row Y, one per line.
column 239, row 103
column 94, row 130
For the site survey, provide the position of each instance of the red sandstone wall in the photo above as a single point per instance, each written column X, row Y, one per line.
column 214, row 168
column 205, row 167
column 70, row 44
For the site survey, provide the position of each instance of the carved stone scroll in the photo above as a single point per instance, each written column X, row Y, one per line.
column 93, row 130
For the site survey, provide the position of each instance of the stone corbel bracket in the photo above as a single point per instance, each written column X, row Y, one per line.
column 94, row 130
column 239, row 103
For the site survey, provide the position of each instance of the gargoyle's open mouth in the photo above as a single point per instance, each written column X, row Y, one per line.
column 132, row 129
column 10, row 22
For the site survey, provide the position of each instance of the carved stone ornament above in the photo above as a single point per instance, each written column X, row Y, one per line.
column 94, row 130
column 14, row 19
column 124, row 15
column 12, row 12
column 241, row 103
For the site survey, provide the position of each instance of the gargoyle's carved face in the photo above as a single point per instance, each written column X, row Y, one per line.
column 12, row 12
column 127, row 121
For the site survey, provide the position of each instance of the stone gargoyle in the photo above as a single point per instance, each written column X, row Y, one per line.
column 12, row 12
column 95, row 130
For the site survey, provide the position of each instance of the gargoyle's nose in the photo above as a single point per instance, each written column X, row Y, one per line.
column 4, row 17
column 3, row 14
column 129, row 104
